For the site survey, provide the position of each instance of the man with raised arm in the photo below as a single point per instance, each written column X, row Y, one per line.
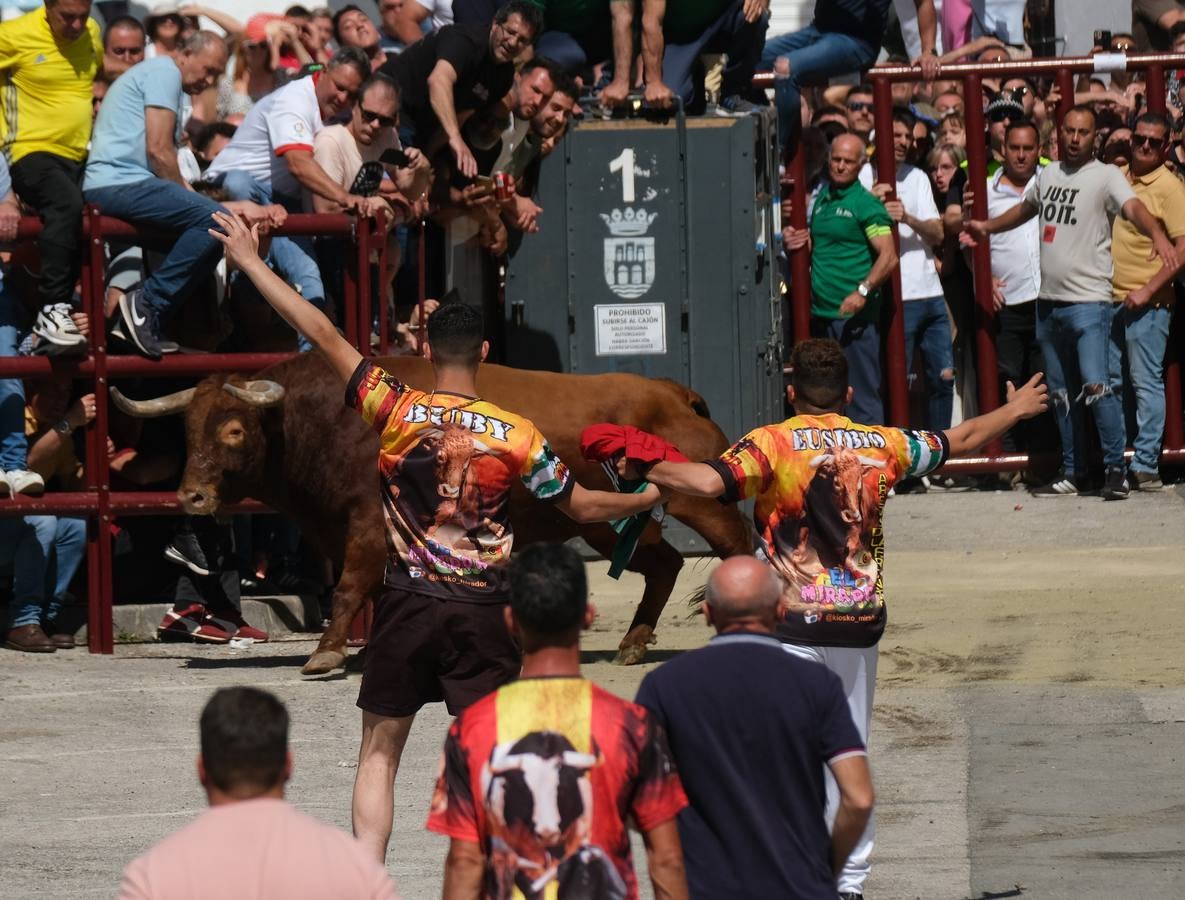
column 447, row 461
column 820, row 481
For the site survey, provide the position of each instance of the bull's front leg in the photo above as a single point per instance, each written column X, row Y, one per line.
column 659, row 564
column 362, row 576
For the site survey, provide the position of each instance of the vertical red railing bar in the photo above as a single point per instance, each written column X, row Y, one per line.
column 800, row 260
column 384, row 243
column 1174, row 426
column 100, row 599
column 985, row 312
column 421, row 279
column 363, row 232
column 895, row 367
column 350, row 292
column 1065, row 87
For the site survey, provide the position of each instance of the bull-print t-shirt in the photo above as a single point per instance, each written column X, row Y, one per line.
column 446, row 466
column 543, row 775
column 821, row 484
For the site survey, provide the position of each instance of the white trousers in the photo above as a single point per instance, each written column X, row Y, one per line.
column 856, row 668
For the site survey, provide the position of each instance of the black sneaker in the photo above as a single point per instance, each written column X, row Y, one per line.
column 141, row 327
column 186, row 550
column 912, row 486
column 1115, row 485
column 55, row 325
column 1059, row 487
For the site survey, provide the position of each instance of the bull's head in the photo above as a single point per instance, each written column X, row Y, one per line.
column 846, row 468
column 540, row 782
column 225, row 441
column 454, row 450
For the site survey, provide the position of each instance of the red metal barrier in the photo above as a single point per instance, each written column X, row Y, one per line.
column 98, row 503
column 896, row 366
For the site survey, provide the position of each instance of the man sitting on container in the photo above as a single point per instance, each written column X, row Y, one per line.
column 852, row 256
column 674, row 35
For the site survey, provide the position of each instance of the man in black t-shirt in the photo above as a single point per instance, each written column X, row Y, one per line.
column 751, row 728
column 456, row 70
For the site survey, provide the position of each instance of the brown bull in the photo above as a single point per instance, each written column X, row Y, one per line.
column 291, row 443
column 853, row 500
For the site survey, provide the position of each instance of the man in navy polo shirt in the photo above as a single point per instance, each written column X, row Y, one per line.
column 751, row 727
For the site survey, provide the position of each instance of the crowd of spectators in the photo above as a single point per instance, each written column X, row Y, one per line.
column 444, row 112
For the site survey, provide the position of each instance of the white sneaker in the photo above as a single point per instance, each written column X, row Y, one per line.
column 22, row 481
column 55, row 325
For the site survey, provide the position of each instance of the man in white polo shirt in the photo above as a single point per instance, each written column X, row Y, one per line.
column 1016, row 274
column 270, row 158
column 927, row 323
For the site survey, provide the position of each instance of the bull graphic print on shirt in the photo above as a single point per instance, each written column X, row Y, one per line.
column 446, row 465
column 543, row 774
column 821, row 483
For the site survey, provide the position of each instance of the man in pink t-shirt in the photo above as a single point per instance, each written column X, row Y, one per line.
column 255, row 845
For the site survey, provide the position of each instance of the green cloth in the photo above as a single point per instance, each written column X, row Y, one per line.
column 686, row 20
column 575, row 16
column 842, row 221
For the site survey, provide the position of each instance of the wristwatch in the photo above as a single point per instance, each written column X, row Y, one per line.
column 64, row 428
column 863, row 289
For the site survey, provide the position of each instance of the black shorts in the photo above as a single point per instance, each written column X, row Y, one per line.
column 423, row 649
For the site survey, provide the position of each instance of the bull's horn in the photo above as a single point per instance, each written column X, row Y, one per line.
column 509, row 763
column 257, row 393
column 869, row 461
column 579, row 760
column 820, row 459
column 157, row 406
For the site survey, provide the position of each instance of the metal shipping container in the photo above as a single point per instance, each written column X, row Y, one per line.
column 656, row 255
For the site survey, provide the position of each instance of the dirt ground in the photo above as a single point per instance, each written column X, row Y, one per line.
column 1029, row 713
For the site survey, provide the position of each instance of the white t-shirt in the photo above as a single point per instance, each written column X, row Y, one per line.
column 919, row 275
column 1016, row 254
column 440, row 12
column 286, row 119
column 1075, row 210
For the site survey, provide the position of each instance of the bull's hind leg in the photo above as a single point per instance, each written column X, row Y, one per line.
column 659, row 564
column 360, row 581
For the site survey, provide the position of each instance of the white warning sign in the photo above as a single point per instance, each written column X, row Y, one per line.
column 630, row 329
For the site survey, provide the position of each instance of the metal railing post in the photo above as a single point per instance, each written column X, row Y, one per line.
column 895, row 369
column 800, row 260
column 363, row 232
column 101, row 593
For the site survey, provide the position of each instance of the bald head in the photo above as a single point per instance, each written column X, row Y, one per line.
column 847, row 156
column 743, row 588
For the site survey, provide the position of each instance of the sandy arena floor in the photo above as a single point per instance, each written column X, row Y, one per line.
column 1030, row 716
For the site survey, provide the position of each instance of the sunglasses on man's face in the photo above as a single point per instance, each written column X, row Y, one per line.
column 381, row 121
column 1138, row 140
column 126, row 51
column 859, row 106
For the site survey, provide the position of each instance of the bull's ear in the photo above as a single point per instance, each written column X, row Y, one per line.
column 232, row 434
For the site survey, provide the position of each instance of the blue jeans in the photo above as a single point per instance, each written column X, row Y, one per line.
column 293, row 258
column 730, row 33
column 167, row 205
column 861, row 342
column 1075, row 341
column 45, row 552
column 13, row 446
column 1140, row 336
column 813, row 55
column 571, row 52
column 927, row 323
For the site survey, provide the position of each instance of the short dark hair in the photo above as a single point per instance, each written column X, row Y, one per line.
column 1160, row 120
column 123, row 22
column 1022, row 123
column 296, row 11
column 531, row 15
column 905, row 117
column 548, row 589
column 337, row 17
column 244, row 739
column 863, row 88
column 1087, row 109
column 455, row 333
column 819, row 373
column 565, row 83
column 201, row 138
column 354, row 58
column 1177, row 30
column 384, row 81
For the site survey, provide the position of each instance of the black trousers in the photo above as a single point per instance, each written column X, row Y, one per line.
column 1018, row 358
column 52, row 185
